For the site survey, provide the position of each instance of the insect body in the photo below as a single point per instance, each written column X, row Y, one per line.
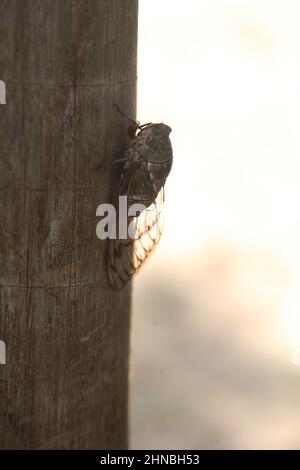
column 148, row 162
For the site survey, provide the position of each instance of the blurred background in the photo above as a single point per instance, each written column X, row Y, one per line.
column 216, row 321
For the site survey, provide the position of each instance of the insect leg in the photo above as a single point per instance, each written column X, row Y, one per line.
column 136, row 124
column 144, row 125
column 109, row 162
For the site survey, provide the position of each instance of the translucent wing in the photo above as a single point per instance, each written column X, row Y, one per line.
column 126, row 256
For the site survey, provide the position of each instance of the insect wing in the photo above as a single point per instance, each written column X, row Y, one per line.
column 144, row 229
column 148, row 228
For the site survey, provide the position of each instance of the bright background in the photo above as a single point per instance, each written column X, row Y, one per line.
column 216, row 324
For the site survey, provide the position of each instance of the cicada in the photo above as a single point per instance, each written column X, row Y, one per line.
column 147, row 164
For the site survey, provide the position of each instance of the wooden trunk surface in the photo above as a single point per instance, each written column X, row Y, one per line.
column 64, row 62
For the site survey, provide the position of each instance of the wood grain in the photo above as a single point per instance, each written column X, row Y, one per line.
column 65, row 384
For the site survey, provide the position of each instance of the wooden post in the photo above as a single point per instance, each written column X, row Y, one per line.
column 64, row 63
